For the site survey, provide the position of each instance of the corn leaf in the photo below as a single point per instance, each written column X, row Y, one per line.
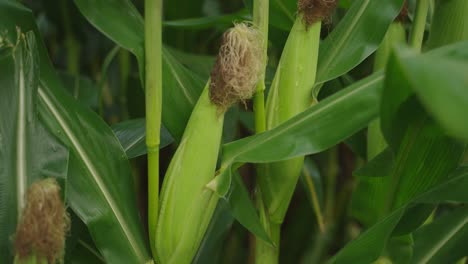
column 201, row 65
column 208, row 22
column 28, row 152
column 355, row 37
column 400, row 248
column 370, row 244
column 447, row 68
column 121, row 22
column 244, row 211
column 79, row 244
column 423, row 154
column 412, row 135
column 425, row 157
column 210, row 251
column 118, row 20
column 132, row 136
column 316, row 129
column 444, row 240
column 181, row 90
column 81, row 88
column 99, row 173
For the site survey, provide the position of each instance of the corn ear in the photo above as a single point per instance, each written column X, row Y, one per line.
column 186, row 204
column 289, row 95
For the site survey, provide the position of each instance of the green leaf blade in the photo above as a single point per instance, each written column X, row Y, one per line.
column 356, row 36
column 314, row 130
column 443, row 240
column 28, row 152
column 132, row 136
column 99, row 175
column 100, row 167
column 122, row 23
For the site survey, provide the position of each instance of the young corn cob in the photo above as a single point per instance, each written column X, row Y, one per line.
column 186, row 205
column 44, row 222
column 290, row 94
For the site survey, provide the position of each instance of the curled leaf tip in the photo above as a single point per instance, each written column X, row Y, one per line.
column 43, row 223
column 313, row 11
column 238, row 66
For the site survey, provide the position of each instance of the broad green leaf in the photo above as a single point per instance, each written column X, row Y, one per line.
column 382, row 162
column 423, row 153
column 370, row 244
column 120, row 21
column 440, row 81
column 444, row 240
column 318, row 128
column 201, row 65
column 99, row 173
column 349, row 105
column 209, row 21
column 132, row 136
column 367, row 199
column 81, row 88
column 180, row 93
column 79, row 244
column 453, row 190
column 345, row 3
column 210, row 251
column 408, row 80
column 424, row 158
column 28, row 152
column 243, row 210
column 356, row 36
column 413, row 218
column 399, row 249
column 83, row 253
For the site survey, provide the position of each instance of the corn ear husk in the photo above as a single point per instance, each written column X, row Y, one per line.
column 290, row 94
column 186, row 205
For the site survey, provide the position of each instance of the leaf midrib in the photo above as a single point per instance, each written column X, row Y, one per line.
column 434, row 249
column 21, row 158
column 285, row 129
column 92, row 171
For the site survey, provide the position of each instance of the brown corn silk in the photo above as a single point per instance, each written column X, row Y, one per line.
column 43, row 224
column 403, row 16
column 315, row 10
column 238, row 66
